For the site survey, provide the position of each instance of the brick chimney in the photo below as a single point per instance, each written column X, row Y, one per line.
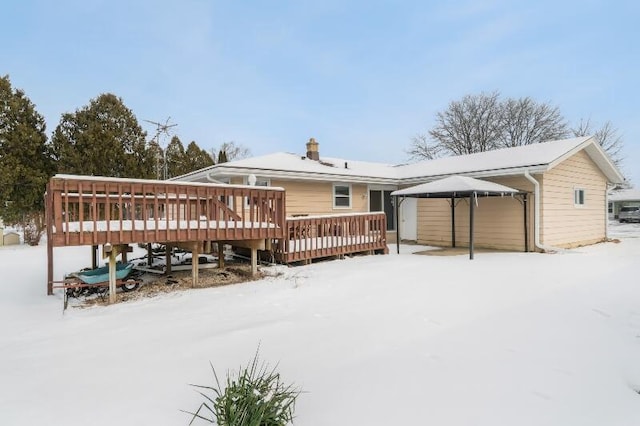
column 312, row 150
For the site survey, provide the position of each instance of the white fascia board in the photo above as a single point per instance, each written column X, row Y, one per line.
column 598, row 156
column 193, row 176
column 602, row 160
column 479, row 174
column 283, row 174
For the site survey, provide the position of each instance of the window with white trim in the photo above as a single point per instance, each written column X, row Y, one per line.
column 341, row 196
column 259, row 182
column 578, row 197
column 229, row 201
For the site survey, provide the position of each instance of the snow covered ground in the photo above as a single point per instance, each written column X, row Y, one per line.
column 505, row 339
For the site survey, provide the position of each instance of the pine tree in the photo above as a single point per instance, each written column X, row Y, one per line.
column 156, row 156
column 25, row 162
column 175, row 158
column 103, row 139
column 196, row 158
column 222, row 156
column 232, row 151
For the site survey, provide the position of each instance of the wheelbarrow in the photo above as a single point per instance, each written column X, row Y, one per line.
column 96, row 281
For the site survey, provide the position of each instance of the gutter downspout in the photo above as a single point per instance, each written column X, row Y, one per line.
column 536, row 216
column 608, row 186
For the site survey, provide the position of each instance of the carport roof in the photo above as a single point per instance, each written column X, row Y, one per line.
column 455, row 186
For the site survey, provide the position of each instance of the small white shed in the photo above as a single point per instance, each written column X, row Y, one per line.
column 11, row 238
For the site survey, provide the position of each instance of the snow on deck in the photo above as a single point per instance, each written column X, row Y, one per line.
column 318, row 243
column 161, row 224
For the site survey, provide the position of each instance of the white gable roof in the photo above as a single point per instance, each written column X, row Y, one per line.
column 497, row 162
column 287, row 165
column 536, row 158
column 625, row 195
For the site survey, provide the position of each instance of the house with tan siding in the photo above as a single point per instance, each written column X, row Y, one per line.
column 566, row 182
column 622, row 198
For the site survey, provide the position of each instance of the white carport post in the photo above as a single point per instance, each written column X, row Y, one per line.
column 453, row 222
column 397, row 205
column 453, row 187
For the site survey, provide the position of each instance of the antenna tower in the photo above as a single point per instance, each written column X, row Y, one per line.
column 162, row 128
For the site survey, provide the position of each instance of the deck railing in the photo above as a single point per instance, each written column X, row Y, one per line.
column 312, row 237
column 84, row 210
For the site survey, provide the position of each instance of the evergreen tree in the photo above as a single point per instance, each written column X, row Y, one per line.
column 222, row 156
column 196, row 158
column 232, row 151
column 156, row 155
column 102, row 139
column 175, row 158
column 25, row 162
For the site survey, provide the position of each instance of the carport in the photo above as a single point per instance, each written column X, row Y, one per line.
column 456, row 187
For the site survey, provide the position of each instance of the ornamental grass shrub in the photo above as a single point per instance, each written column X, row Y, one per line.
column 255, row 396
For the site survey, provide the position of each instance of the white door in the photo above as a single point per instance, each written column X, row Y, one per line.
column 409, row 219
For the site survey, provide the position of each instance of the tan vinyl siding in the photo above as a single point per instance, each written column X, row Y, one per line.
column 434, row 222
column 563, row 224
column 308, row 197
column 499, row 221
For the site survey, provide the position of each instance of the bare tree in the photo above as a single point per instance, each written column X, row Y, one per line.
column 525, row 122
column 483, row 122
column 467, row 126
column 607, row 136
column 233, row 150
column 422, row 149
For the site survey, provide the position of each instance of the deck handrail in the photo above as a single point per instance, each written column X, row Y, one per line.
column 90, row 210
column 310, row 237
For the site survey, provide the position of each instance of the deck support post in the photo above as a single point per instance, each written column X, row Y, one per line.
column 167, row 257
column 49, row 266
column 220, row 254
column 254, row 261
column 194, row 264
column 94, row 257
column 254, row 246
column 112, row 275
column 48, row 214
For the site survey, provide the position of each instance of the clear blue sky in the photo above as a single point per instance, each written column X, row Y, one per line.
column 362, row 77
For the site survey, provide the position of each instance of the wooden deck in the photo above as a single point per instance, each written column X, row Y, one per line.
column 313, row 237
column 114, row 212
